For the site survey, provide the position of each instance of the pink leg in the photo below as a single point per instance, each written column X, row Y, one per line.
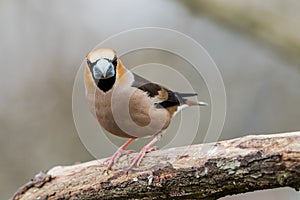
column 149, row 147
column 121, row 151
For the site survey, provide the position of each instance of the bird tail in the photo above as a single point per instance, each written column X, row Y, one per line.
column 188, row 102
column 186, row 94
column 192, row 103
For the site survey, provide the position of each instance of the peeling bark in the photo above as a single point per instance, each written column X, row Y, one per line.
column 204, row 171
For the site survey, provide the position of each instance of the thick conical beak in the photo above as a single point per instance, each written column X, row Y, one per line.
column 103, row 69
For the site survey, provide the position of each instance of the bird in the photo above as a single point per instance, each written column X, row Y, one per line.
column 127, row 105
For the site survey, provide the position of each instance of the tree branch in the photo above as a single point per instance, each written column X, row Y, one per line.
column 203, row 171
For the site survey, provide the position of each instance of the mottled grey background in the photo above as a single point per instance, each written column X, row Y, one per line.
column 43, row 44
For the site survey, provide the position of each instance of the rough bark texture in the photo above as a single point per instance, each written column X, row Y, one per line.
column 204, row 171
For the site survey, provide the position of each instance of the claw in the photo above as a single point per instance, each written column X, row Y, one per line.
column 116, row 156
column 149, row 147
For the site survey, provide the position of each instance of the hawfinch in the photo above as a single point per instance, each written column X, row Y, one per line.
column 127, row 105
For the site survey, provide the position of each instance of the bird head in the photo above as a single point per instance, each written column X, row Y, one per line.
column 102, row 63
column 103, row 70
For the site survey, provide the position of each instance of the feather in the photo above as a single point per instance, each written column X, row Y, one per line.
column 162, row 97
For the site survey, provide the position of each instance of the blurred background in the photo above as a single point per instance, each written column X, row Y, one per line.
column 255, row 44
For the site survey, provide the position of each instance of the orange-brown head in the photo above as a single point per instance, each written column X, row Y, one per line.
column 103, row 69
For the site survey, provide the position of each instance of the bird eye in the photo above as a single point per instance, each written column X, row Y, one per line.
column 115, row 61
column 90, row 64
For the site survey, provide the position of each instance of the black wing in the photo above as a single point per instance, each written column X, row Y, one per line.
column 167, row 97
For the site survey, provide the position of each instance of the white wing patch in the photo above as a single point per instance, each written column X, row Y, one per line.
column 180, row 108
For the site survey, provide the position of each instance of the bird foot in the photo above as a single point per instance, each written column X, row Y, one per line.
column 138, row 158
column 116, row 156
